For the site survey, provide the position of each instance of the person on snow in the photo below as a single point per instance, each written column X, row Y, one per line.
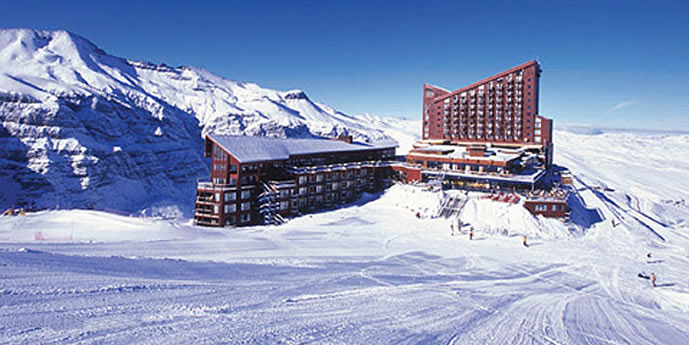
column 452, row 229
column 471, row 234
column 524, row 241
column 653, row 279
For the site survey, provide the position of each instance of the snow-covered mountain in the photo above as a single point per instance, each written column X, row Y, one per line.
column 81, row 128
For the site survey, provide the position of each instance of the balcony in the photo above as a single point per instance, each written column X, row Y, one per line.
column 206, row 222
column 215, row 187
column 204, row 198
column 208, row 212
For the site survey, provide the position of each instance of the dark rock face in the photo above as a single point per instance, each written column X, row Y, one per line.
column 88, row 152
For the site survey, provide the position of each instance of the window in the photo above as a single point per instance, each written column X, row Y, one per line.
column 284, row 205
column 230, row 208
column 335, row 185
column 302, row 191
column 284, row 193
column 246, row 194
column 319, row 189
column 246, row 206
column 230, row 196
column 217, row 197
column 219, row 153
column 302, row 179
column 216, row 209
column 245, row 218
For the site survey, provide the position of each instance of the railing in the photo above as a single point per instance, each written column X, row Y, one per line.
column 204, row 199
column 282, row 183
column 203, row 211
column 202, row 221
column 340, row 166
column 215, row 186
column 553, row 195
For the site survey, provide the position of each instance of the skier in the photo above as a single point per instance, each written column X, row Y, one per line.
column 471, row 234
column 653, row 279
column 452, row 229
column 524, row 241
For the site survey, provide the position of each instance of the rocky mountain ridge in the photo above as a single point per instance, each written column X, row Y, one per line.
column 83, row 129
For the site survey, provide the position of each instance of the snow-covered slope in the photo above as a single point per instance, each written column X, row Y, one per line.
column 81, row 128
column 372, row 272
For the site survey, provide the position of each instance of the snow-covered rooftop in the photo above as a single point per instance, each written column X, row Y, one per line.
column 460, row 152
column 249, row 149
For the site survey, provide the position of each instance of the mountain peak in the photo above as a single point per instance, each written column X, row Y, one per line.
column 295, row 94
column 32, row 40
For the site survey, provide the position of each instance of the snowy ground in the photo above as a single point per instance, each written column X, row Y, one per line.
column 373, row 272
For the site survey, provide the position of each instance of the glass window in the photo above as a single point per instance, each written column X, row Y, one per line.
column 246, row 194
column 246, row 206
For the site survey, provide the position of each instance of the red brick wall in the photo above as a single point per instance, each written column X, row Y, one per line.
column 413, row 174
column 531, row 206
column 529, row 109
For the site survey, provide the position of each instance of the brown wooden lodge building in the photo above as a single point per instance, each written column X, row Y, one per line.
column 259, row 180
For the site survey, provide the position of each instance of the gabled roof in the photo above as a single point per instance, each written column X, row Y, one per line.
column 248, row 149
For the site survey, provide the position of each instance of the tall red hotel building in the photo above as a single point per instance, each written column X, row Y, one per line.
column 502, row 109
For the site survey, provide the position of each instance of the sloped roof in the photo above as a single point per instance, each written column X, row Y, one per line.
column 249, row 149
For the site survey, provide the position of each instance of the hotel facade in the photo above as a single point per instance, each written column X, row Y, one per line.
column 489, row 137
column 259, row 180
column 502, row 109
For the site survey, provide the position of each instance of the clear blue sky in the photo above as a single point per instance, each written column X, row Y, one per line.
column 619, row 63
